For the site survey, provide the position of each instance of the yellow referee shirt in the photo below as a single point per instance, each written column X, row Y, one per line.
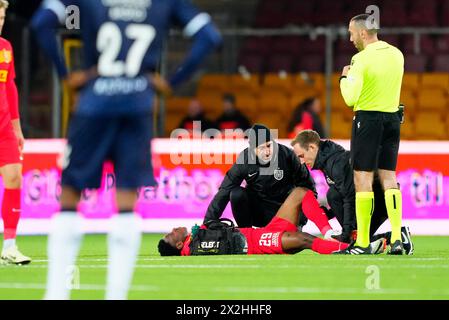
column 374, row 80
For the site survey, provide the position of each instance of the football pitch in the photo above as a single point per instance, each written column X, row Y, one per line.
column 306, row 275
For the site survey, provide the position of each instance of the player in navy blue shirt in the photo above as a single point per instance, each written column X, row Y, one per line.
column 122, row 43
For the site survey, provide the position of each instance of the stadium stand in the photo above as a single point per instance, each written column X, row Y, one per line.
column 430, row 126
column 276, row 73
column 440, row 63
column 271, row 97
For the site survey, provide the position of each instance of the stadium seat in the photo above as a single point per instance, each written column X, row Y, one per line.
column 282, row 82
column 247, row 104
column 422, row 13
column 340, row 126
column 272, row 101
column 344, row 46
column 299, row 12
column 442, row 44
column 211, row 104
column 270, row 20
column 256, row 45
column 393, row 16
column 291, row 45
column 415, row 63
column 408, row 129
column 408, row 99
column 338, row 103
column 314, row 45
column 309, row 80
column 440, row 63
column 430, row 125
column 172, row 120
column 253, row 63
column 432, row 99
column 310, row 63
column 327, row 12
column 268, row 6
column 445, row 13
column 335, row 80
column 426, row 45
column 341, row 61
column 447, row 127
column 244, row 84
column 435, row 80
column 204, row 91
column 392, row 39
column 215, row 82
column 177, row 104
column 299, row 96
column 280, row 62
column 357, row 7
column 273, row 120
column 410, row 81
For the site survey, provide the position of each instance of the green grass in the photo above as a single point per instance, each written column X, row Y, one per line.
column 306, row 275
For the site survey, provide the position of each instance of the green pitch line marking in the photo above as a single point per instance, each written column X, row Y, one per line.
column 276, row 290
column 285, row 258
column 83, row 287
column 239, row 266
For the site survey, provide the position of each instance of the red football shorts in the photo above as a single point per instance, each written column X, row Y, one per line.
column 267, row 240
column 9, row 147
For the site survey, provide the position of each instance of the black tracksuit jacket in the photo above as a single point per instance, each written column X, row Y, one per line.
column 334, row 161
column 270, row 184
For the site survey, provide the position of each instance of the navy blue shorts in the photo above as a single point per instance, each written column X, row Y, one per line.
column 124, row 140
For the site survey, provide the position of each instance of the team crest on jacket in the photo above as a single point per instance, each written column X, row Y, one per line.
column 278, row 174
column 5, row 56
column 329, row 181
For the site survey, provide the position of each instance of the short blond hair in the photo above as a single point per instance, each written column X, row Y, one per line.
column 4, row 4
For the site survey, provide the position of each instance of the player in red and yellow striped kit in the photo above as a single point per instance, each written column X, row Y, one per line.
column 11, row 145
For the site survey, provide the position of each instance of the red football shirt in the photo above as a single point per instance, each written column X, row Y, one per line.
column 266, row 240
column 9, row 106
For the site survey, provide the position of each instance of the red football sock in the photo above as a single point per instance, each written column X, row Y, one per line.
column 327, row 247
column 313, row 212
column 11, row 212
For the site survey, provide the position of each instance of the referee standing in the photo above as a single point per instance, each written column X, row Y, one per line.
column 372, row 86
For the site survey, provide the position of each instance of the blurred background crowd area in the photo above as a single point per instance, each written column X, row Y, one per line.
column 272, row 67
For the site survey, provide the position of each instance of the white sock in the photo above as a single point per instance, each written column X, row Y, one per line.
column 8, row 243
column 63, row 245
column 123, row 248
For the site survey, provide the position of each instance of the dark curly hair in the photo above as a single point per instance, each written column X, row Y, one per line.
column 165, row 249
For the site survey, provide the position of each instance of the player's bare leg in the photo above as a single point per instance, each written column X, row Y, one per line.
column 291, row 207
column 123, row 246
column 393, row 201
column 64, row 242
column 302, row 200
column 293, row 242
column 11, row 207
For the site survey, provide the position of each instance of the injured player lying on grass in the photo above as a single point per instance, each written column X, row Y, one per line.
column 280, row 236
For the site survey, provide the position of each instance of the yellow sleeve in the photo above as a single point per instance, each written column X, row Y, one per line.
column 352, row 85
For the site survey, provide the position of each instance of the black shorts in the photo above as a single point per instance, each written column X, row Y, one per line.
column 375, row 140
column 125, row 141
